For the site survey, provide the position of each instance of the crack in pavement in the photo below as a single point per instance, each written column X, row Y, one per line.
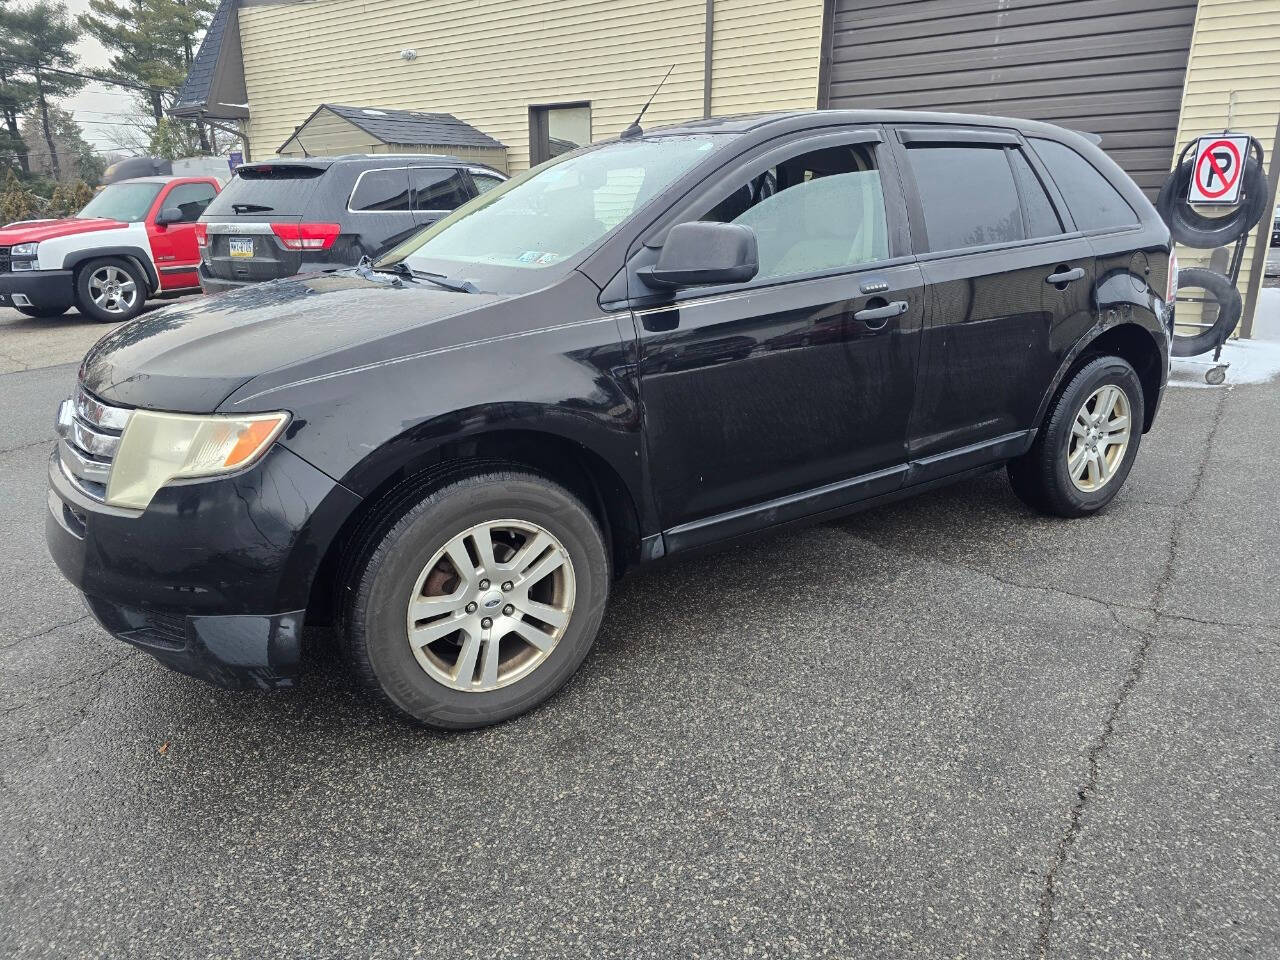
column 27, row 446
column 1137, row 663
column 45, row 632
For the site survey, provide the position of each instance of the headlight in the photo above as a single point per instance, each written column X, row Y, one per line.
column 157, row 448
column 24, row 249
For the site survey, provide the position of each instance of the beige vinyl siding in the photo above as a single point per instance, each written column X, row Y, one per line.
column 765, row 55
column 1235, row 49
column 487, row 61
column 326, row 134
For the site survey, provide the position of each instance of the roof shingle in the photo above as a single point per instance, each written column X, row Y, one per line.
column 195, row 89
column 414, row 127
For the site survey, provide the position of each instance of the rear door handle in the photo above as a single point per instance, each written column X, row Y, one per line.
column 877, row 317
column 1065, row 276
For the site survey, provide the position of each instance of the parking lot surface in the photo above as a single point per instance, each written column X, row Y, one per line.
column 946, row 728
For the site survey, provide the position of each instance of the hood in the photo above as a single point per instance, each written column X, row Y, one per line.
column 33, row 231
column 187, row 358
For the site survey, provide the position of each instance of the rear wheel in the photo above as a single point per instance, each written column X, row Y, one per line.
column 42, row 313
column 1087, row 445
column 110, row 290
column 479, row 602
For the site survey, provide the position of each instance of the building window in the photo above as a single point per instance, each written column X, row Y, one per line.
column 557, row 129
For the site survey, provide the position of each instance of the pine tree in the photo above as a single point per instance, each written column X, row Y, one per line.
column 42, row 36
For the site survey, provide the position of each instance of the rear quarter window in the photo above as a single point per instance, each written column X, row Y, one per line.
column 283, row 189
column 1094, row 203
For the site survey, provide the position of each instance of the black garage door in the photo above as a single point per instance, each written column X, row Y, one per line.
column 1110, row 67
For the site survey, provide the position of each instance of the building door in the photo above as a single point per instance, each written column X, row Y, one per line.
column 1110, row 67
column 556, row 129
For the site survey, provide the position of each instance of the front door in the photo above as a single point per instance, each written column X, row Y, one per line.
column 789, row 394
column 173, row 245
column 1006, row 283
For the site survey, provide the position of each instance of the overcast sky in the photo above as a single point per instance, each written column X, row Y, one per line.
column 97, row 106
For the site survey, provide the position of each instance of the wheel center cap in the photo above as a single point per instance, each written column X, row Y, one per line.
column 491, row 600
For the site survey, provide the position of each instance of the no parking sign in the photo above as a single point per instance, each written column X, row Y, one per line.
column 1217, row 174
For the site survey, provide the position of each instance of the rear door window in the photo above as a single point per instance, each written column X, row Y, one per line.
column 261, row 191
column 1042, row 219
column 968, row 195
column 438, row 188
column 381, row 191
column 1094, row 203
column 485, row 182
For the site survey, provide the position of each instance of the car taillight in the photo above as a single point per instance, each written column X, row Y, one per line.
column 306, row 236
column 202, row 235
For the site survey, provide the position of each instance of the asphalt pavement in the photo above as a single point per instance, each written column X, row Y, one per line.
column 949, row 728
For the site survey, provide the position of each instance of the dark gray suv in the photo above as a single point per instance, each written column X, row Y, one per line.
column 290, row 215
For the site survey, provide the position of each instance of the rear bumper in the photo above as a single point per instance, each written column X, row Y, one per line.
column 213, row 578
column 42, row 289
column 211, row 284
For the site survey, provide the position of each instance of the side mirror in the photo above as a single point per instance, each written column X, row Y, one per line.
column 168, row 215
column 701, row 254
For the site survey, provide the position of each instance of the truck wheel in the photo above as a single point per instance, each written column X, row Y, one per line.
column 477, row 603
column 110, row 290
column 1087, row 444
column 42, row 313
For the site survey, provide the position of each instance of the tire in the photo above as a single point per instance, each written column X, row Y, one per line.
column 1229, row 308
column 1041, row 477
column 428, row 682
column 42, row 313
column 1192, row 229
column 114, row 308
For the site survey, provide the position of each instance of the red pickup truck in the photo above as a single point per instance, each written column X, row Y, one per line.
column 134, row 241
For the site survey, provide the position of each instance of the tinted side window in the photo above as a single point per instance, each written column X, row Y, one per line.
column 968, row 196
column 382, row 190
column 1042, row 219
column 1094, row 203
column 484, row 182
column 438, row 188
column 817, row 211
column 191, row 199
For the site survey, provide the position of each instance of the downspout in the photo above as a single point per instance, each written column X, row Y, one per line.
column 708, row 56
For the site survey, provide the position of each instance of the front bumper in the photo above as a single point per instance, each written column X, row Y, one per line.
column 42, row 289
column 213, row 578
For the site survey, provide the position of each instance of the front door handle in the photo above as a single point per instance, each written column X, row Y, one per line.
column 877, row 317
column 1063, row 276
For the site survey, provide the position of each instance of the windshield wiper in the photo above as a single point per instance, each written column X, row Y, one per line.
column 251, row 208
column 402, row 269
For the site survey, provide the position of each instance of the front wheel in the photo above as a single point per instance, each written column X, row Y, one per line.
column 479, row 602
column 110, row 290
column 1088, row 442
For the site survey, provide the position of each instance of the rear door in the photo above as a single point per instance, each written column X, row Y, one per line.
column 243, row 243
column 1008, row 279
column 173, row 245
column 379, row 213
column 438, row 191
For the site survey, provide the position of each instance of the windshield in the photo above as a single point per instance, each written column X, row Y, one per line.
column 554, row 212
column 122, row 201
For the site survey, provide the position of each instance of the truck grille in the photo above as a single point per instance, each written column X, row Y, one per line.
column 89, row 434
column 6, row 259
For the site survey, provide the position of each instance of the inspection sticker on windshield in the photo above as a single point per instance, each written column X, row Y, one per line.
column 529, row 256
column 241, row 246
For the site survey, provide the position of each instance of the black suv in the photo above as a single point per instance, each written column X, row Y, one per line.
column 637, row 350
column 287, row 216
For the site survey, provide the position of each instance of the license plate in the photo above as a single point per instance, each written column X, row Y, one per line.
column 241, row 247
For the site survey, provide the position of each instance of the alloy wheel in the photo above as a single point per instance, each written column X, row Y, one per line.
column 1099, row 438
column 112, row 289
column 491, row 605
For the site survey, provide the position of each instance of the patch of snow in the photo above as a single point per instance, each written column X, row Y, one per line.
column 1252, row 361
